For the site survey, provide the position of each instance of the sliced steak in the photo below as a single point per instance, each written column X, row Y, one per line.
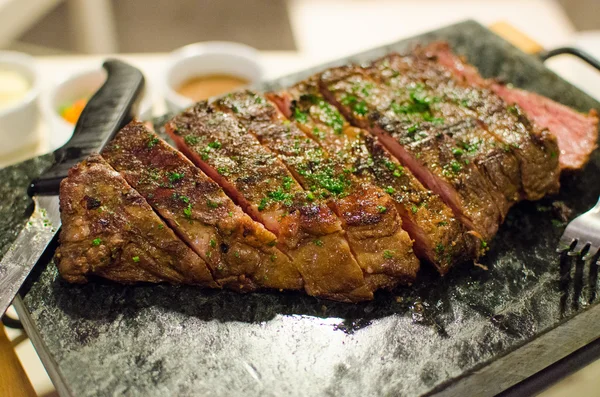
column 421, row 82
column 576, row 133
column 380, row 245
column 438, row 237
column 421, row 146
column 110, row 231
column 536, row 149
column 239, row 251
column 257, row 180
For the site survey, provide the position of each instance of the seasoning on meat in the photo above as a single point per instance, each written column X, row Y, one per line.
column 369, row 217
column 307, row 230
column 240, row 252
column 110, row 231
column 439, row 237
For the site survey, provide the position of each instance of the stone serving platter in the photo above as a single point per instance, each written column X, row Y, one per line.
column 473, row 332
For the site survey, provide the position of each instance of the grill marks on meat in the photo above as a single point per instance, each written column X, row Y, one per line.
column 109, row 230
column 422, row 147
column 536, row 149
column 372, row 225
column 255, row 178
column 439, row 238
column 239, row 251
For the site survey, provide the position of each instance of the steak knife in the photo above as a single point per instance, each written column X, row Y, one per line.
column 107, row 111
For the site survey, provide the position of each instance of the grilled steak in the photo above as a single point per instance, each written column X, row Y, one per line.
column 328, row 186
column 438, row 237
column 256, row 179
column 372, row 225
column 239, row 251
column 109, row 230
column 421, row 145
column 576, row 133
column 536, row 149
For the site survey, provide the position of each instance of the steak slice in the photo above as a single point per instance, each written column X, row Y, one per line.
column 255, row 178
column 373, row 228
column 416, row 81
column 110, row 231
column 420, row 145
column 576, row 133
column 439, row 237
column 536, row 149
column 239, row 251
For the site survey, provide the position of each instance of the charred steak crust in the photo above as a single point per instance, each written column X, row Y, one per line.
column 536, row 149
column 419, row 144
column 239, row 251
column 372, row 225
column 109, row 230
column 307, row 230
column 439, row 237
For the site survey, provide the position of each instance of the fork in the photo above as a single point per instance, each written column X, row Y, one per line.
column 582, row 235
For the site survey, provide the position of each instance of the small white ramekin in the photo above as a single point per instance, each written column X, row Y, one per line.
column 201, row 59
column 80, row 85
column 18, row 121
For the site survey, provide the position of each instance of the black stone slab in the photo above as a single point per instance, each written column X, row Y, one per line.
column 105, row 339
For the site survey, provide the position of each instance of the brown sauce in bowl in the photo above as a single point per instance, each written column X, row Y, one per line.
column 203, row 87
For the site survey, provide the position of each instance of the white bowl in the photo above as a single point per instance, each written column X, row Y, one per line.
column 18, row 121
column 212, row 57
column 81, row 85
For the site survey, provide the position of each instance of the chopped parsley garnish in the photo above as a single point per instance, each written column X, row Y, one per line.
column 388, row 254
column 212, row 204
column 263, row 204
column 135, row 259
column 161, row 226
column 215, row 145
column 96, row 242
column 414, row 209
column 457, row 152
column 484, row 244
column 381, row 209
column 175, row 176
column 287, row 183
column 152, row 141
column 187, row 211
column 213, row 243
column 300, row 116
column 390, row 190
column 331, row 117
column 236, row 254
column 439, row 248
column 318, row 243
column 310, row 196
column 190, row 140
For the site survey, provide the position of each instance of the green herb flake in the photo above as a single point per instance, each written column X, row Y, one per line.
column 457, row 152
column 440, row 248
column 187, row 211
column 388, row 254
column 414, row 209
column 135, row 259
column 390, row 190
column 300, row 116
column 263, row 204
column 152, row 142
column 318, row 243
column 161, row 226
column 215, row 145
column 236, row 254
column 212, row 204
column 287, row 183
column 381, row 209
column 190, row 140
column 96, row 242
column 175, row 176
column 213, row 243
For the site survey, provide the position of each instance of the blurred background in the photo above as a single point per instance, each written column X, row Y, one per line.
column 44, row 27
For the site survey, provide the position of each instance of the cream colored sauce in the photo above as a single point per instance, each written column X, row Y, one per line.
column 13, row 87
column 203, row 87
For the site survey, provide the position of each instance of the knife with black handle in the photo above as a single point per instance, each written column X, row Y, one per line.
column 109, row 109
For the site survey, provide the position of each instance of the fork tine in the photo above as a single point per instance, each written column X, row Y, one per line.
column 565, row 243
column 592, row 252
column 581, row 247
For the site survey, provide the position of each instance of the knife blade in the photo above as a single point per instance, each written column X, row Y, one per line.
column 107, row 111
